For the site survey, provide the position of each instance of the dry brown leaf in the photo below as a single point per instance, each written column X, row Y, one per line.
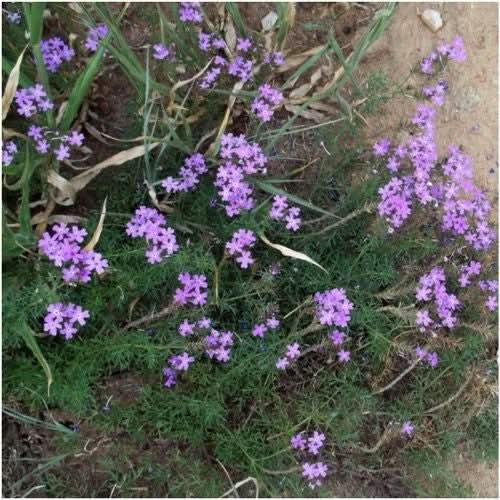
column 309, row 114
column 323, row 106
column 98, row 230
column 60, row 112
column 8, row 133
column 162, row 207
column 230, row 34
column 67, row 219
column 304, row 89
column 11, row 85
column 66, row 193
column 296, row 60
column 95, row 133
column 288, row 252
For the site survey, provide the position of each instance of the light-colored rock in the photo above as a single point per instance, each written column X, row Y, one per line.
column 269, row 21
column 432, row 19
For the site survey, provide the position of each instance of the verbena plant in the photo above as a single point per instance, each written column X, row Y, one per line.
column 311, row 321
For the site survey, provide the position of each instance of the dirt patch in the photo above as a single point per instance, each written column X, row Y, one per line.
column 469, row 115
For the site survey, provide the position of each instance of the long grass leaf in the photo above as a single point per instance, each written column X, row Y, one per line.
column 11, row 85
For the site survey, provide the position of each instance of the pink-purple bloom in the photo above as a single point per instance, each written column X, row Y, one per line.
column 333, row 307
column 239, row 247
column 193, row 290
column 218, row 345
column 292, row 353
column 54, row 52
column 64, row 319
column 178, row 363
column 407, row 429
column 9, row 150
column 94, row 35
column 150, row 224
column 189, row 175
column 161, row 52
column 32, row 100
column 190, row 12
column 63, row 249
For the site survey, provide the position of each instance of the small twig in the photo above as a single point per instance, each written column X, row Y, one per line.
column 33, row 489
column 241, row 483
column 383, row 439
column 228, row 476
column 451, row 398
column 151, row 317
column 296, row 468
column 399, row 377
column 307, row 301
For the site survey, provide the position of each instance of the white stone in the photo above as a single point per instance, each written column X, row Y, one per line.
column 432, row 19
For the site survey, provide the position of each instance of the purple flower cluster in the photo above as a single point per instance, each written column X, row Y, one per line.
column 280, row 211
column 55, row 52
column 265, row 102
column 9, row 150
column 186, row 328
column 239, row 245
column 193, row 291
column 149, row 223
column 161, row 52
column 454, row 51
column 333, row 307
column 189, row 12
column 62, row 319
column 94, row 35
column 490, row 286
column 436, row 93
column 62, row 247
column 432, row 287
column 431, row 358
column 218, row 345
column 396, row 201
column 407, row 429
column 179, row 363
column 47, row 140
column 260, row 329
column 32, row 100
column 239, row 158
column 292, row 353
column 210, row 41
column 275, row 58
column 338, row 338
column 473, row 268
column 189, row 175
column 241, row 68
column 314, row 472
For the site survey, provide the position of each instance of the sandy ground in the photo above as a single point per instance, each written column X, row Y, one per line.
column 469, row 117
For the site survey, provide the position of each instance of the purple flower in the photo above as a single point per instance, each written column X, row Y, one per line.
column 315, row 442
column 273, row 323
column 186, row 328
column 60, row 319
column 381, row 147
column 218, row 345
column 94, row 35
column 337, row 337
column 314, row 473
column 432, row 359
column 161, row 52
column 149, row 223
column 333, row 307
column 491, row 303
column 32, row 100
column 181, row 362
column 239, row 245
column 241, row 68
column 407, row 429
column 189, row 175
column 344, row 356
column 263, row 105
column 169, row 377
column 275, row 58
column 282, row 363
column 281, row 211
column 9, row 149
column 193, row 290
column 55, row 52
column 292, row 351
column 298, row 442
column 259, row 330
column 62, row 248
column 62, row 152
column 243, row 44
column 189, row 12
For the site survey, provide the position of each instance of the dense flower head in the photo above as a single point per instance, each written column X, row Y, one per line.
column 292, row 353
column 432, row 288
column 260, row 329
column 436, row 93
column 193, row 291
column 189, row 12
column 241, row 68
column 188, row 328
column 210, row 41
column 333, row 307
column 265, row 102
column 47, row 140
column 239, row 247
column 218, row 345
column 239, row 158
column 282, row 212
column 454, row 51
column 150, row 224
column 490, row 286
column 431, row 358
column 94, row 35
column 161, row 52
column 396, row 201
column 275, row 58
column 189, row 175
column 177, row 363
column 64, row 319
column 55, row 52
column 9, row 150
column 381, row 147
column 473, row 268
column 32, row 100
column 314, row 473
column 63, row 249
